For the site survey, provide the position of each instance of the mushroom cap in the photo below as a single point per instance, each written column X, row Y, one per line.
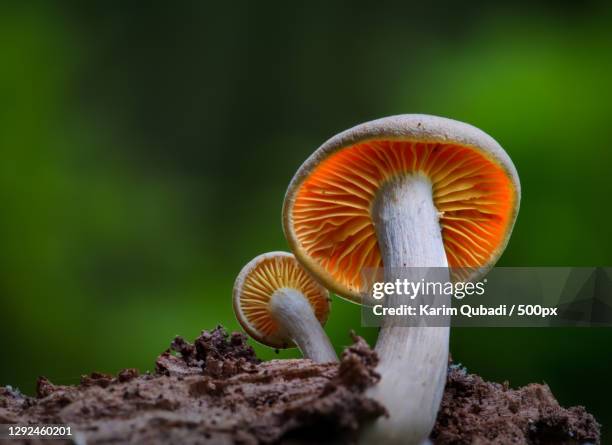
column 327, row 213
column 255, row 285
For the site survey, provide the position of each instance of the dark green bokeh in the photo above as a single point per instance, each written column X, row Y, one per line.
column 146, row 151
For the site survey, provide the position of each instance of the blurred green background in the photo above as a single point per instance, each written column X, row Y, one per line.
column 146, row 150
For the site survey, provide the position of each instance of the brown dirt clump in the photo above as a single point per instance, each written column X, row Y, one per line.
column 477, row 412
column 216, row 391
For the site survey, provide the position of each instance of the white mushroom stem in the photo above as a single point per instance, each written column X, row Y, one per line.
column 413, row 360
column 294, row 314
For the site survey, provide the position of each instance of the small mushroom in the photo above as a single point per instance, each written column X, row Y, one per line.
column 280, row 305
column 408, row 191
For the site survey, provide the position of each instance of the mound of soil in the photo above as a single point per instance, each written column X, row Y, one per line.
column 216, row 391
column 477, row 412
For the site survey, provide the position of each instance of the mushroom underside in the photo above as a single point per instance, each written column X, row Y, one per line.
column 332, row 220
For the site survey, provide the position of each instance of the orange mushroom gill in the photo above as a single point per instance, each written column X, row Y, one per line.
column 332, row 212
column 267, row 277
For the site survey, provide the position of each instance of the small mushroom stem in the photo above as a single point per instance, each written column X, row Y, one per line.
column 295, row 316
column 413, row 360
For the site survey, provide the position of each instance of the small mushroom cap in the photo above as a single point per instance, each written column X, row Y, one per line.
column 327, row 213
column 259, row 280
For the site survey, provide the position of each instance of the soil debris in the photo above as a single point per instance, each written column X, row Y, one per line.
column 216, row 391
column 212, row 391
column 477, row 412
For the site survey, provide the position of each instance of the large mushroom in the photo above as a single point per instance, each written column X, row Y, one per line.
column 402, row 192
column 280, row 305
